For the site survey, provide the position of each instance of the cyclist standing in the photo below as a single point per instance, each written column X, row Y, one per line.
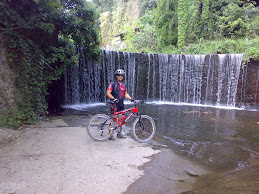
column 117, row 91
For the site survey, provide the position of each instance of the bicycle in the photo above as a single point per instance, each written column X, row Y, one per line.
column 101, row 126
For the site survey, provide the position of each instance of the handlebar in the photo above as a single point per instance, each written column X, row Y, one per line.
column 136, row 102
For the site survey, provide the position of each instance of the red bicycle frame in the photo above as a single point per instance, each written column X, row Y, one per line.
column 134, row 110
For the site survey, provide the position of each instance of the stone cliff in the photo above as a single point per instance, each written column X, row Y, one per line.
column 8, row 95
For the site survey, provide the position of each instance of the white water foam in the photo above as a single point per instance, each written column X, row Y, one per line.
column 190, row 104
column 126, row 102
column 82, row 106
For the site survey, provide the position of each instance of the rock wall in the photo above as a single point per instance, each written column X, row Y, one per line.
column 248, row 88
column 7, row 87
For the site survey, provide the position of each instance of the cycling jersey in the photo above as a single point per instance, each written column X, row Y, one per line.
column 118, row 90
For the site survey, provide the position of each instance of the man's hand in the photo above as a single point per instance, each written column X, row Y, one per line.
column 115, row 100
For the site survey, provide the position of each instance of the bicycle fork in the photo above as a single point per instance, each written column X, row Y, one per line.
column 141, row 124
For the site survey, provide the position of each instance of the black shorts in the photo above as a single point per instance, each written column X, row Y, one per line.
column 117, row 107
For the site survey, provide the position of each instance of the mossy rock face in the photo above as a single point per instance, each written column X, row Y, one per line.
column 2, row 90
column 8, row 95
column 3, row 97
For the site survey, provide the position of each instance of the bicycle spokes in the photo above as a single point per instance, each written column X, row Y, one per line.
column 141, row 124
column 144, row 128
column 100, row 127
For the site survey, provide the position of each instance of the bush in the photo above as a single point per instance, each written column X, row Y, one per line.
column 250, row 48
column 40, row 42
column 15, row 118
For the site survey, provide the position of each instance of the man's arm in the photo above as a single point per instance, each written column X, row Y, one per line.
column 128, row 96
column 109, row 94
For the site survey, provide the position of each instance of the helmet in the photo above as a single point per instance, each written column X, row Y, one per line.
column 119, row 72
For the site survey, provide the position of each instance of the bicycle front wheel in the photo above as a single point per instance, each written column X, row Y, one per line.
column 100, row 127
column 144, row 128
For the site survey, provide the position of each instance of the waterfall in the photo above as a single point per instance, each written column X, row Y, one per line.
column 197, row 79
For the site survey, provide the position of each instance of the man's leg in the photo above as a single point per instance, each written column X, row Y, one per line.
column 113, row 109
column 121, row 120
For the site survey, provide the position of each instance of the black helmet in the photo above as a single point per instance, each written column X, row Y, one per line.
column 119, row 72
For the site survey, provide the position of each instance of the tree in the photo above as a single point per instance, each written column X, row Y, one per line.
column 181, row 23
column 205, row 19
column 228, row 18
column 234, row 21
column 166, row 22
column 40, row 39
column 114, row 24
column 193, row 16
column 142, row 35
column 146, row 5
column 104, row 5
column 106, row 28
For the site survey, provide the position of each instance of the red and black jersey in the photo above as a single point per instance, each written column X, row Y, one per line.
column 118, row 90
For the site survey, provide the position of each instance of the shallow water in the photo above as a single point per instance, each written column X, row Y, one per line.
column 224, row 140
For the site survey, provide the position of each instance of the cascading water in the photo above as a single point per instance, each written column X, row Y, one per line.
column 196, row 79
column 82, row 83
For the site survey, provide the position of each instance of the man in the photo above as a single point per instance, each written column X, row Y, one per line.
column 117, row 91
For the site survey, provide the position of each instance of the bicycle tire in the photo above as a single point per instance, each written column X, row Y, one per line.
column 144, row 128
column 100, row 127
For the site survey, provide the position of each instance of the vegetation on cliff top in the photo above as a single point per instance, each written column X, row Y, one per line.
column 176, row 26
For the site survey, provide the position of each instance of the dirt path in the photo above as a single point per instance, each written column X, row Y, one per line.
column 57, row 158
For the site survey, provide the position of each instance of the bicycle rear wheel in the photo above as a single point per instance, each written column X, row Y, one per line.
column 100, row 127
column 144, row 128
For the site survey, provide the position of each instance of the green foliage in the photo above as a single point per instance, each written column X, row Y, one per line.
column 19, row 116
column 166, row 22
column 129, row 38
column 181, row 23
column 254, row 24
column 144, row 38
column 104, row 5
column 210, row 20
column 114, row 24
column 106, row 28
column 170, row 49
column 146, row 5
column 233, row 22
column 205, row 22
column 250, row 48
column 192, row 19
column 120, row 18
column 40, row 39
